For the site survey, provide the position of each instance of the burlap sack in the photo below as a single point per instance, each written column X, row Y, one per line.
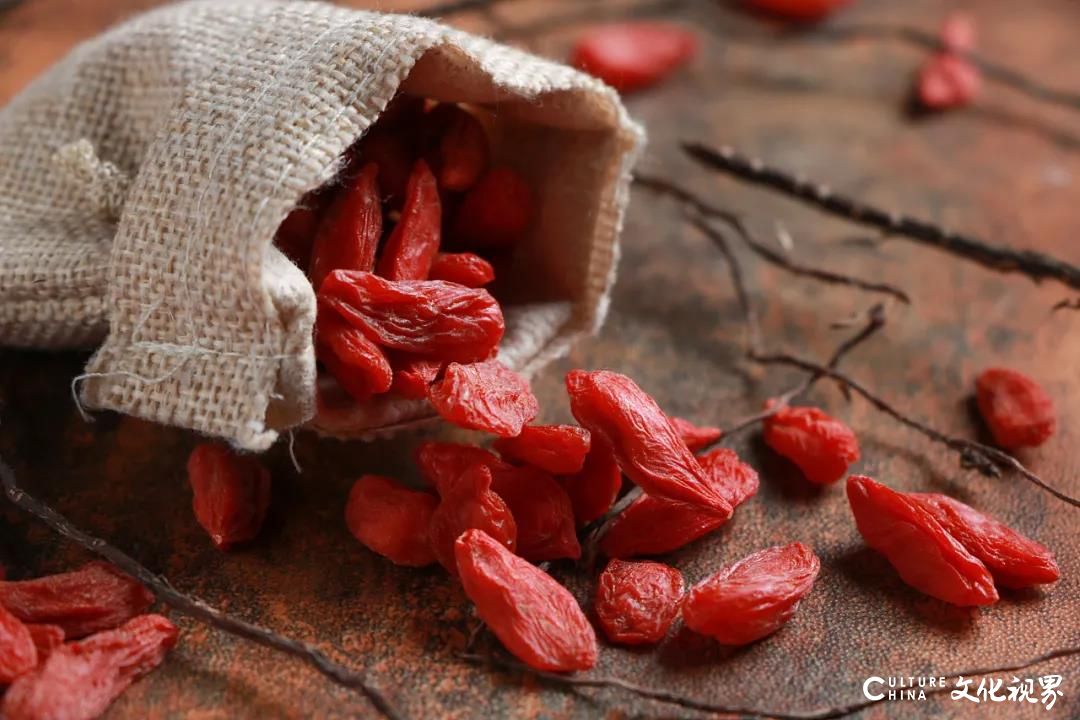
column 143, row 177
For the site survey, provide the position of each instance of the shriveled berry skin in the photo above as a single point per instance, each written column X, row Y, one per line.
column 350, row 229
column 696, row 436
column 359, row 366
column 753, row 598
column 462, row 268
column 80, row 680
column 469, row 502
column 1014, row 560
column 798, row 10
column 594, row 489
column 463, row 151
column 46, row 639
column 820, row 445
column 411, row 248
column 647, row 446
column 484, row 396
column 231, row 493
column 734, row 479
column 534, row 617
column 1017, row 410
column 497, row 211
column 440, row 463
column 18, row 652
column 542, row 513
column 636, row 602
column 414, row 375
column 630, row 56
column 925, row 555
column 391, row 520
column 428, row 318
column 557, row 449
column 95, row 597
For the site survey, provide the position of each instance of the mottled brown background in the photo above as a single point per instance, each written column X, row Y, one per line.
column 1008, row 170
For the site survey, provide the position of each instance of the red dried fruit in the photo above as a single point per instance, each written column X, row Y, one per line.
column 484, row 396
column 496, row 211
column 18, row 653
column 411, row 247
column 647, row 446
column 753, row 598
column 1012, row 559
column 469, row 502
column 1017, row 410
column 46, row 639
column 231, row 493
column 630, row 56
column 534, row 617
column 95, row 597
column 427, row 318
column 696, row 436
column 296, row 235
column 636, row 602
column 798, row 10
column 593, row 490
column 441, row 463
column 413, row 376
column 925, row 555
column 358, row 364
column 948, row 81
column 463, row 152
column 81, row 679
column 391, row 151
column 820, row 445
column 542, row 513
column 462, row 268
column 654, row 526
column 958, row 32
column 350, row 229
column 391, row 520
column 557, row 449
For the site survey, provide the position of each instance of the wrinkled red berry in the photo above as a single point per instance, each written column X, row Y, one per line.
column 534, row 617
column 349, row 231
column 46, row 639
column 358, row 364
column 462, row 268
column 410, row 250
column 391, row 520
column 231, row 493
column 18, row 652
column 469, row 502
column 630, row 56
column 947, row 81
column 696, row 437
column 1017, row 410
column 484, row 396
column 497, row 211
column 593, row 490
column 557, row 449
column 463, row 151
column 753, row 598
column 820, row 445
column 542, row 513
column 636, row 602
column 414, row 375
column 441, row 463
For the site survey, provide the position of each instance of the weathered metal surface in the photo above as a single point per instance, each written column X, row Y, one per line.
column 1007, row 169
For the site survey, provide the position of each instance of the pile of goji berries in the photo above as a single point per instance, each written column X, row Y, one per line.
column 71, row 643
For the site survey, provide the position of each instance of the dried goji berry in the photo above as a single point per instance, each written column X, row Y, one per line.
column 462, row 268
column 441, row 463
column 469, row 502
column 732, row 478
column 636, row 602
column 496, row 211
column 296, row 235
column 463, row 151
column 391, row 520
column 414, row 241
column 542, row 513
column 696, row 436
column 46, row 639
column 925, row 555
column 947, row 81
column 958, row 32
column 358, row 364
column 593, row 490
column 231, row 493
column 557, row 449
column 820, row 445
column 1017, row 410
column 427, row 318
column 350, row 229
column 1012, row 559
column 753, row 598
column 630, row 56
column 95, row 597
column 413, row 375
column 534, row 617
column 646, row 444
column 484, row 396
column 18, row 653
column 391, row 151
column 798, row 10
column 79, row 680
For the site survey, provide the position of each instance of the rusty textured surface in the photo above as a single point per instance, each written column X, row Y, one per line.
column 1008, row 170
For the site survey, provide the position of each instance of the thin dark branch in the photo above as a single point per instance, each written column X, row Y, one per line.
column 191, row 606
column 682, row 701
column 737, row 223
column 1035, row 265
column 1067, row 304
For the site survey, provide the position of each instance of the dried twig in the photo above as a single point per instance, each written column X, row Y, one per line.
column 1035, row 265
column 194, row 607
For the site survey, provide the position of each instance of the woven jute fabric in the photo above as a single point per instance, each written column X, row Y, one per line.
column 142, row 179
